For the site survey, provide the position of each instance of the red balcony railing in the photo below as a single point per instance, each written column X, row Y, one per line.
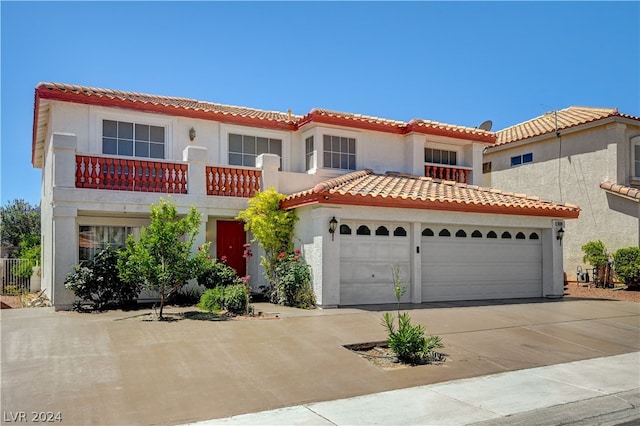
column 439, row 171
column 232, row 182
column 125, row 174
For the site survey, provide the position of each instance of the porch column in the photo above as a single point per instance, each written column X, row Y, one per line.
column 63, row 147
column 196, row 156
column 64, row 242
column 269, row 165
column 552, row 264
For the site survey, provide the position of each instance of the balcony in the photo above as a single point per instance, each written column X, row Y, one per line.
column 128, row 174
column 98, row 172
column 232, row 181
column 458, row 174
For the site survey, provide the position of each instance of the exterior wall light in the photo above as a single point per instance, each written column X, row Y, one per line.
column 333, row 223
column 560, row 235
column 192, row 134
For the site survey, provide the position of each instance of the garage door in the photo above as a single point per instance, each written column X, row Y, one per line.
column 475, row 264
column 367, row 251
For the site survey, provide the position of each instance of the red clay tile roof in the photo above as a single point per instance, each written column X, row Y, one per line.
column 168, row 104
column 366, row 188
column 234, row 114
column 627, row 191
column 546, row 123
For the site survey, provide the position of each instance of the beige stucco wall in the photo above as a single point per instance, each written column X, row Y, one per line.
column 570, row 169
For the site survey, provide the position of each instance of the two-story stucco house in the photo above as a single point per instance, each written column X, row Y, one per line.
column 581, row 155
column 401, row 193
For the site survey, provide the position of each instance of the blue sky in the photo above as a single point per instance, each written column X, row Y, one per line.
column 454, row 62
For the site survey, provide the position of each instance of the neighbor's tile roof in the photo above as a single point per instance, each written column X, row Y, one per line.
column 546, row 123
column 627, row 191
column 401, row 190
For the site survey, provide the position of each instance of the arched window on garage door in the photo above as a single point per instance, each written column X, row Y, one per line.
column 363, row 230
column 427, row 232
column 444, row 233
column 520, row 236
column 399, row 232
column 345, row 230
column 534, row 236
column 476, row 234
column 461, row 233
column 492, row 234
column 382, row 231
column 506, row 235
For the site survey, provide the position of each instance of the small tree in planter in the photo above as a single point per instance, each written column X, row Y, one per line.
column 627, row 266
column 161, row 257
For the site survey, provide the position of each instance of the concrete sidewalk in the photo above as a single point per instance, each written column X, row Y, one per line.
column 596, row 391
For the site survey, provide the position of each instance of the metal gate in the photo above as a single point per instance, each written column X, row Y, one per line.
column 15, row 275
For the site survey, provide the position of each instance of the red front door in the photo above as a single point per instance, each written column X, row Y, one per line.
column 230, row 239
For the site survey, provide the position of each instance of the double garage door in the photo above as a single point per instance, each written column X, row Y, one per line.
column 474, row 264
column 458, row 263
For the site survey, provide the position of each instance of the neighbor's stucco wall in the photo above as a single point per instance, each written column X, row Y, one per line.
column 570, row 169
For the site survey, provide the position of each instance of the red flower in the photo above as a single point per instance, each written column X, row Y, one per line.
column 199, row 248
column 296, row 251
column 281, row 256
column 295, row 258
column 246, row 245
column 223, row 258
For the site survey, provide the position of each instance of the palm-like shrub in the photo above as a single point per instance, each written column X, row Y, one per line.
column 408, row 341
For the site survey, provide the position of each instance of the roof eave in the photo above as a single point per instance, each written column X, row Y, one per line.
column 326, row 197
column 114, row 102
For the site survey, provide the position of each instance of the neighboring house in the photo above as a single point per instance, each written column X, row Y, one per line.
column 400, row 192
column 580, row 155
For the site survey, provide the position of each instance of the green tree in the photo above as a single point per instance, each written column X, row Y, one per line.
column 627, row 265
column 595, row 254
column 19, row 220
column 271, row 227
column 161, row 258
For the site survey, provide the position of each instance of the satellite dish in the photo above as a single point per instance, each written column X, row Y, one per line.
column 486, row 125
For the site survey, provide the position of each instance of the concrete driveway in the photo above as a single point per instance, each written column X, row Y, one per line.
column 114, row 368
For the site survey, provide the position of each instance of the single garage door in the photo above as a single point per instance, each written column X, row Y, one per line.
column 477, row 263
column 367, row 252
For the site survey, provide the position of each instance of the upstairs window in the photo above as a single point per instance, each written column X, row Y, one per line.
column 132, row 139
column 308, row 152
column 244, row 149
column 440, row 156
column 339, row 152
column 521, row 159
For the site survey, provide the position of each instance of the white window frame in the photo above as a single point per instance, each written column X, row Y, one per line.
column 635, row 161
column 460, row 160
column 521, row 157
column 98, row 114
column 227, row 129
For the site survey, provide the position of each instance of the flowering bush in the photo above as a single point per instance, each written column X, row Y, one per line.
column 293, row 281
column 213, row 273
